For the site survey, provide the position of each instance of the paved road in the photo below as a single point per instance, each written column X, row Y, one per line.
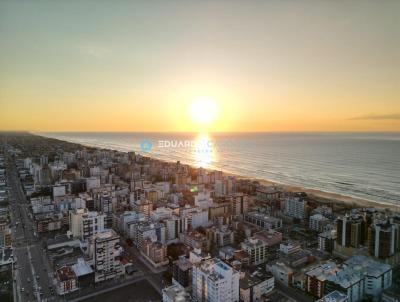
column 293, row 293
column 140, row 291
column 31, row 272
column 110, row 290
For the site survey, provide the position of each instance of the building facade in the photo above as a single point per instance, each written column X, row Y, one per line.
column 215, row 281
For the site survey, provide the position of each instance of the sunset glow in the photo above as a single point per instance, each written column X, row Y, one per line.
column 203, row 111
column 145, row 67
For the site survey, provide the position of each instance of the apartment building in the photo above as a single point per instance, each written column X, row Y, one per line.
column 257, row 250
column 384, row 239
column 358, row 277
column 289, row 247
column 174, row 226
column 351, row 230
column 223, row 236
column 326, row 241
column 378, row 276
column 106, row 252
column 142, row 230
column 143, row 206
column 319, row 223
column 262, row 221
column 195, row 240
column 195, row 217
column 155, row 252
column 5, row 235
column 283, row 273
column 240, row 203
column 253, row 286
column 215, row 281
column 296, row 206
column 48, row 222
column 203, row 200
column 182, row 271
column 66, row 281
column 84, row 224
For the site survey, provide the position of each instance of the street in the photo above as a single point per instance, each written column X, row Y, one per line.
column 31, row 271
column 293, row 293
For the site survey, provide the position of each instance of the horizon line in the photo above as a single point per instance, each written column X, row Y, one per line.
column 216, row 132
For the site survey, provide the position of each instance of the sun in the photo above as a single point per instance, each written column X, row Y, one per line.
column 203, row 111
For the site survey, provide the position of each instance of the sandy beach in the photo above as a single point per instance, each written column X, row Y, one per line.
column 325, row 197
column 328, row 197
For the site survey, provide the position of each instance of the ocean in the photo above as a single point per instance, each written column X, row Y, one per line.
column 363, row 165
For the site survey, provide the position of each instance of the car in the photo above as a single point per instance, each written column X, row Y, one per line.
column 28, row 280
column 22, row 289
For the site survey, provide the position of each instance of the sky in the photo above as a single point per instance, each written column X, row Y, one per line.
column 139, row 65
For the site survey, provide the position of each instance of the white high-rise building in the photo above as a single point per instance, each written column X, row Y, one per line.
column 215, row 281
column 106, row 252
column 92, row 183
column 295, row 206
column 257, row 250
column 203, row 200
column 84, row 224
column 195, row 216
column 126, row 218
column 320, row 223
column 174, row 226
column 161, row 213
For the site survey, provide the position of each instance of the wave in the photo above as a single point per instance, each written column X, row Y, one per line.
column 358, row 165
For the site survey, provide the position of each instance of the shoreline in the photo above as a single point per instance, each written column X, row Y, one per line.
column 323, row 196
column 315, row 194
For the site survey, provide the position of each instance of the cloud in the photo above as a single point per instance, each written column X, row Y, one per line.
column 393, row 116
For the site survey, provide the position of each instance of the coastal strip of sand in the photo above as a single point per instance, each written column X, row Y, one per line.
column 335, row 198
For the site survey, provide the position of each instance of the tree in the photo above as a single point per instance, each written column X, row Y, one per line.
column 175, row 250
column 240, row 235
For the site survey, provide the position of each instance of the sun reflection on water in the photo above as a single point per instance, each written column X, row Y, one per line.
column 204, row 153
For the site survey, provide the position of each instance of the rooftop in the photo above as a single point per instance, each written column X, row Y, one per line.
column 65, row 273
column 214, row 268
column 331, row 234
column 176, row 293
column 183, row 263
column 253, row 243
column 343, row 276
column 251, row 279
column 262, row 216
column 81, row 268
column 367, row 265
column 6, row 256
column 335, row 296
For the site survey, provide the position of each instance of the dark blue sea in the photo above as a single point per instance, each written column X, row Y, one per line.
column 364, row 165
